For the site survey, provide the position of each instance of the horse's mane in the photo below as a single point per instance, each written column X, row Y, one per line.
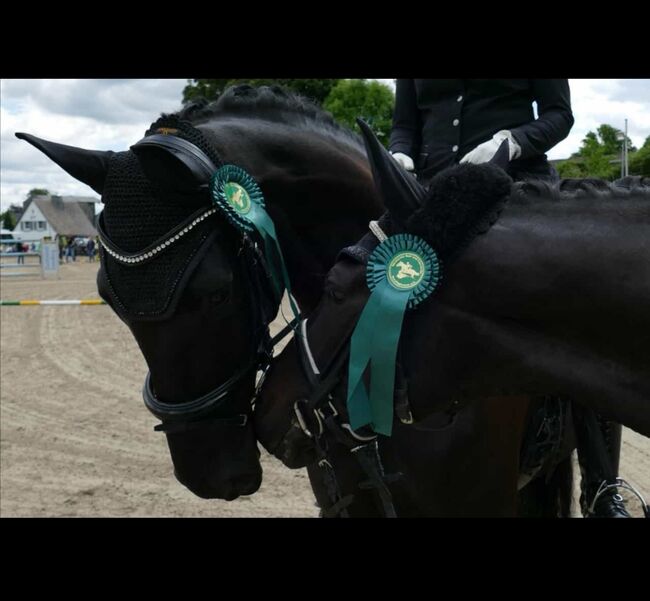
column 466, row 200
column 572, row 188
column 271, row 103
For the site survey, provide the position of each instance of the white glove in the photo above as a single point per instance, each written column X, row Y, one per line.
column 404, row 160
column 484, row 152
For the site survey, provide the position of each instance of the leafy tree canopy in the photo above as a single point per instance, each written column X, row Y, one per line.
column 600, row 154
column 373, row 101
column 639, row 162
column 8, row 220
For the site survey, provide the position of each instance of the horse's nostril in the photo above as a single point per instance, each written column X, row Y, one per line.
column 242, row 486
column 250, row 484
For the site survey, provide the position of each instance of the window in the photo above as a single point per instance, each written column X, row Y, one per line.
column 27, row 225
column 41, row 225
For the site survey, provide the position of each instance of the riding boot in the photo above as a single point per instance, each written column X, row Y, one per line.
column 599, row 447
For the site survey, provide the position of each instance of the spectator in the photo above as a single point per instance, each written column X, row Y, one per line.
column 20, row 259
column 62, row 247
column 90, row 250
column 70, row 251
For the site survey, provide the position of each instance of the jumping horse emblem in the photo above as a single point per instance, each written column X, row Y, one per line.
column 238, row 197
column 406, row 270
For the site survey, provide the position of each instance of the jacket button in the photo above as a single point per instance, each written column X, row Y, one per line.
column 459, row 99
column 456, row 122
column 455, row 148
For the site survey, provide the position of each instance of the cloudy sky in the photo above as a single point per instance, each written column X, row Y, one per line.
column 112, row 114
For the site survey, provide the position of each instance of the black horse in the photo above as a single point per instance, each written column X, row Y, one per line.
column 199, row 309
column 195, row 292
column 551, row 299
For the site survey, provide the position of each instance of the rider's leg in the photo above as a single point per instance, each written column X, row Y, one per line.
column 599, row 449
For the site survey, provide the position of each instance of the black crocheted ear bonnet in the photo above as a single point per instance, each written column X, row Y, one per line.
column 140, row 220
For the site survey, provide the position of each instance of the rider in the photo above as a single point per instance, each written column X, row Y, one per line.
column 440, row 122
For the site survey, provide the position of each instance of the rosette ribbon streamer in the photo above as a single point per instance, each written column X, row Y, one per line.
column 242, row 201
column 402, row 271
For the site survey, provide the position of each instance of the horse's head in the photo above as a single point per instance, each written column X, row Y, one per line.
column 192, row 289
column 457, row 204
column 197, row 293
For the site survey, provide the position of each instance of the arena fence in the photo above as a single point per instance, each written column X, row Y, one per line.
column 4, row 265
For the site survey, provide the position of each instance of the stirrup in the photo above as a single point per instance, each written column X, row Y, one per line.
column 618, row 483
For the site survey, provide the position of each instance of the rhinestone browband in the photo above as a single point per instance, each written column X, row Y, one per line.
column 157, row 246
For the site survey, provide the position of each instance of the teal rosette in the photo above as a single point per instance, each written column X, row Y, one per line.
column 240, row 199
column 408, row 263
column 401, row 272
column 237, row 194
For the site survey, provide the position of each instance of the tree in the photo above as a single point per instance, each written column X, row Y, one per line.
column 569, row 169
column 598, row 163
column 371, row 100
column 639, row 162
column 210, row 89
column 597, row 155
column 8, row 220
column 37, row 192
column 612, row 140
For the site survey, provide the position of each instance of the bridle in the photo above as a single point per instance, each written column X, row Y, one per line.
column 216, row 406
column 316, row 414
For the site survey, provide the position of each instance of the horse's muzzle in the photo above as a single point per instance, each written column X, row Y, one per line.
column 217, row 461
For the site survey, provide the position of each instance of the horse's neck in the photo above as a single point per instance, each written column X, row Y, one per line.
column 311, row 169
column 553, row 299
column 318, row 190
column 544, row 257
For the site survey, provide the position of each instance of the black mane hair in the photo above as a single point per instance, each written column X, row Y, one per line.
column 465, row 200
column 590, row 187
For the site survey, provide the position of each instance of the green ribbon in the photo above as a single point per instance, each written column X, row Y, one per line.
column 374, row 344
column 242, row 201
column 375, row 339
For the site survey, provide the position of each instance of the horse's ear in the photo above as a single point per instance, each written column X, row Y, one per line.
column 502, row 156
column 401, row 193
column 88, row 166
column 174, row 163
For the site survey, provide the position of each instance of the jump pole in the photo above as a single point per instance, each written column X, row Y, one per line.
column 27, row 303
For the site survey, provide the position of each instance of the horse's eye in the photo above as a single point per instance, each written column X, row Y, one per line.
column 217, row 298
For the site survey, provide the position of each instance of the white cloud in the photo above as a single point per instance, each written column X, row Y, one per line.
column 611, row 101
column 99, row 114
column 112, row 101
